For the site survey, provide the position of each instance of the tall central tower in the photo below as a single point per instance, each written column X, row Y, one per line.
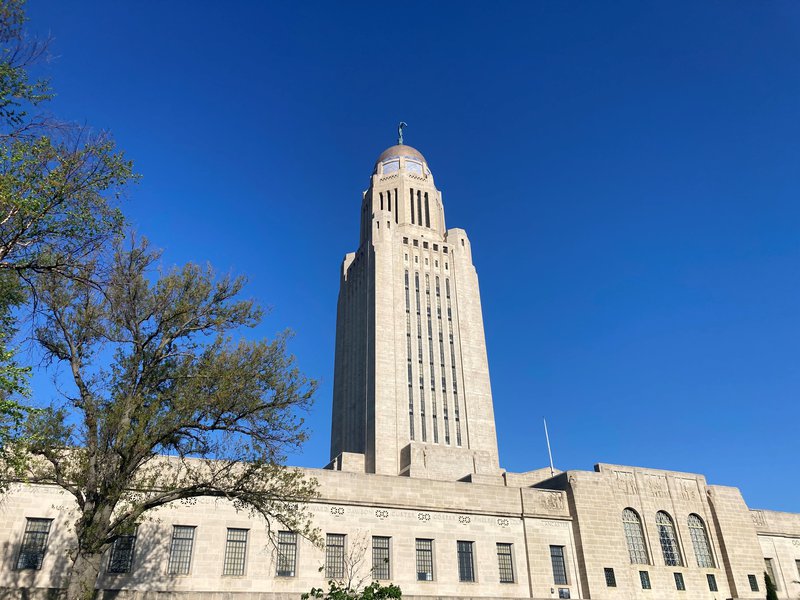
column 411, row 379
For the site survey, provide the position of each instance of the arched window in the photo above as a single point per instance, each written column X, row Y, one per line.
column 669, row 543
column 702, row 549
column 635, row 537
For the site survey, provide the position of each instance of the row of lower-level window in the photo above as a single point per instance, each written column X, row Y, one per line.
column 644, row 579
column 121, row 557
column 122, row 554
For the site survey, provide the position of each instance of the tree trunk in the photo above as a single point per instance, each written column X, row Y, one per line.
column 83, row 576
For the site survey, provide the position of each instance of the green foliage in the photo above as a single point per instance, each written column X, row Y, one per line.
column 56, row 180
column 336, row 591
column 772, row 591
column 155, row 371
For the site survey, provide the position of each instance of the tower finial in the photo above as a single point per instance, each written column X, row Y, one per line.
column 400, row 132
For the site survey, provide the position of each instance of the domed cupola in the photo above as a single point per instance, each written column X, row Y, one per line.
column 399, row 157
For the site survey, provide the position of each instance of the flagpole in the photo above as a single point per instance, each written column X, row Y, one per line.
column 549, row 451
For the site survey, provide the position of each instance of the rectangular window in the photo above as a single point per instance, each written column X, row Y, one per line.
column 416, row 243
column 405, row 240
column 797, row 564
column 505, row 563
column 180, row 553
column 644, row 577
column 381, row 568
column 287, row 553
column 120, row 559
column 424, row 560
column 753, row 583
column 424, row 244
column 563, row 593
column 679, row 583
column 559, row 566
column 611, row 579
column 334, row 556
column 466, row 567
column 770, row 563
column 34, row 543
column 235, row 552
column 712, row 583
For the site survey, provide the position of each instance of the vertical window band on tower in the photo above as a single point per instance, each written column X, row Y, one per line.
column 430, row 359
column 445, row 414
column 419, row 360
column 408, row 360
column 412, row 206
column 419, row 208
column 456, row 412
column 427, row 212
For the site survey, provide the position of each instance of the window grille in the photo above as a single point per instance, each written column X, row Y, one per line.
column 466, row 567
column 287, row 553
column 712, row 583
column 635, row 537
column 424, row 560
column 180, row 553
column 611, row 579
column 505, row 563
column 334, row 556
column 381, row 568
column 644, row 577
column 235, row 552
column 669, row 543
column 559, row 566
column 679, row 583
column 34, row 543
column 699, row 535
column 120, row 559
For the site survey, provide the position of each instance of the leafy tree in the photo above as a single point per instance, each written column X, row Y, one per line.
column 164, row 405
column 338, row 591
column 55, row 183
column 772, row 591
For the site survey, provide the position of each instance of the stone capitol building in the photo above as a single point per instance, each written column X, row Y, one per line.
column 415, row 493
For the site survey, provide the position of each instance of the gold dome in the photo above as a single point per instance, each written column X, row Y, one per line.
column 401, row 150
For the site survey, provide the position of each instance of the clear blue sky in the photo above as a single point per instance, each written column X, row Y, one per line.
column 628, row 172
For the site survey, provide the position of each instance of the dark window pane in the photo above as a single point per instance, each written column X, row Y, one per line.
column 669, row 543
column 424, row 560
column 644, row 577
column 466, row 568
column 679, row 583
column 611, row 579
column 559, row 566
column 334, row 556
column 753, row 583
column 120, row 559
column 505, row 563
column 180, row 553
column 712, row 583
column 380, row 558
column 235, row 552
column 34, row 542
column 287, row 554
